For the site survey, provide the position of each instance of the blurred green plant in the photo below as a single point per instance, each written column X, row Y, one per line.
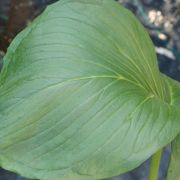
column 3, row 17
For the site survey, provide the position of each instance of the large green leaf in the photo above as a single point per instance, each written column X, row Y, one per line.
column 174, row 168
column 81, row 96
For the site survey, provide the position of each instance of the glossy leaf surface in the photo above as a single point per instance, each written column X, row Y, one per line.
column 81, row 96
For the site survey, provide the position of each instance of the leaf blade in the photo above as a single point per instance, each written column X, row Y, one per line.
column 81, row 99
column 174, row 166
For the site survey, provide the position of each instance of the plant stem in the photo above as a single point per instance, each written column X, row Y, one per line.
column 154, row 167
